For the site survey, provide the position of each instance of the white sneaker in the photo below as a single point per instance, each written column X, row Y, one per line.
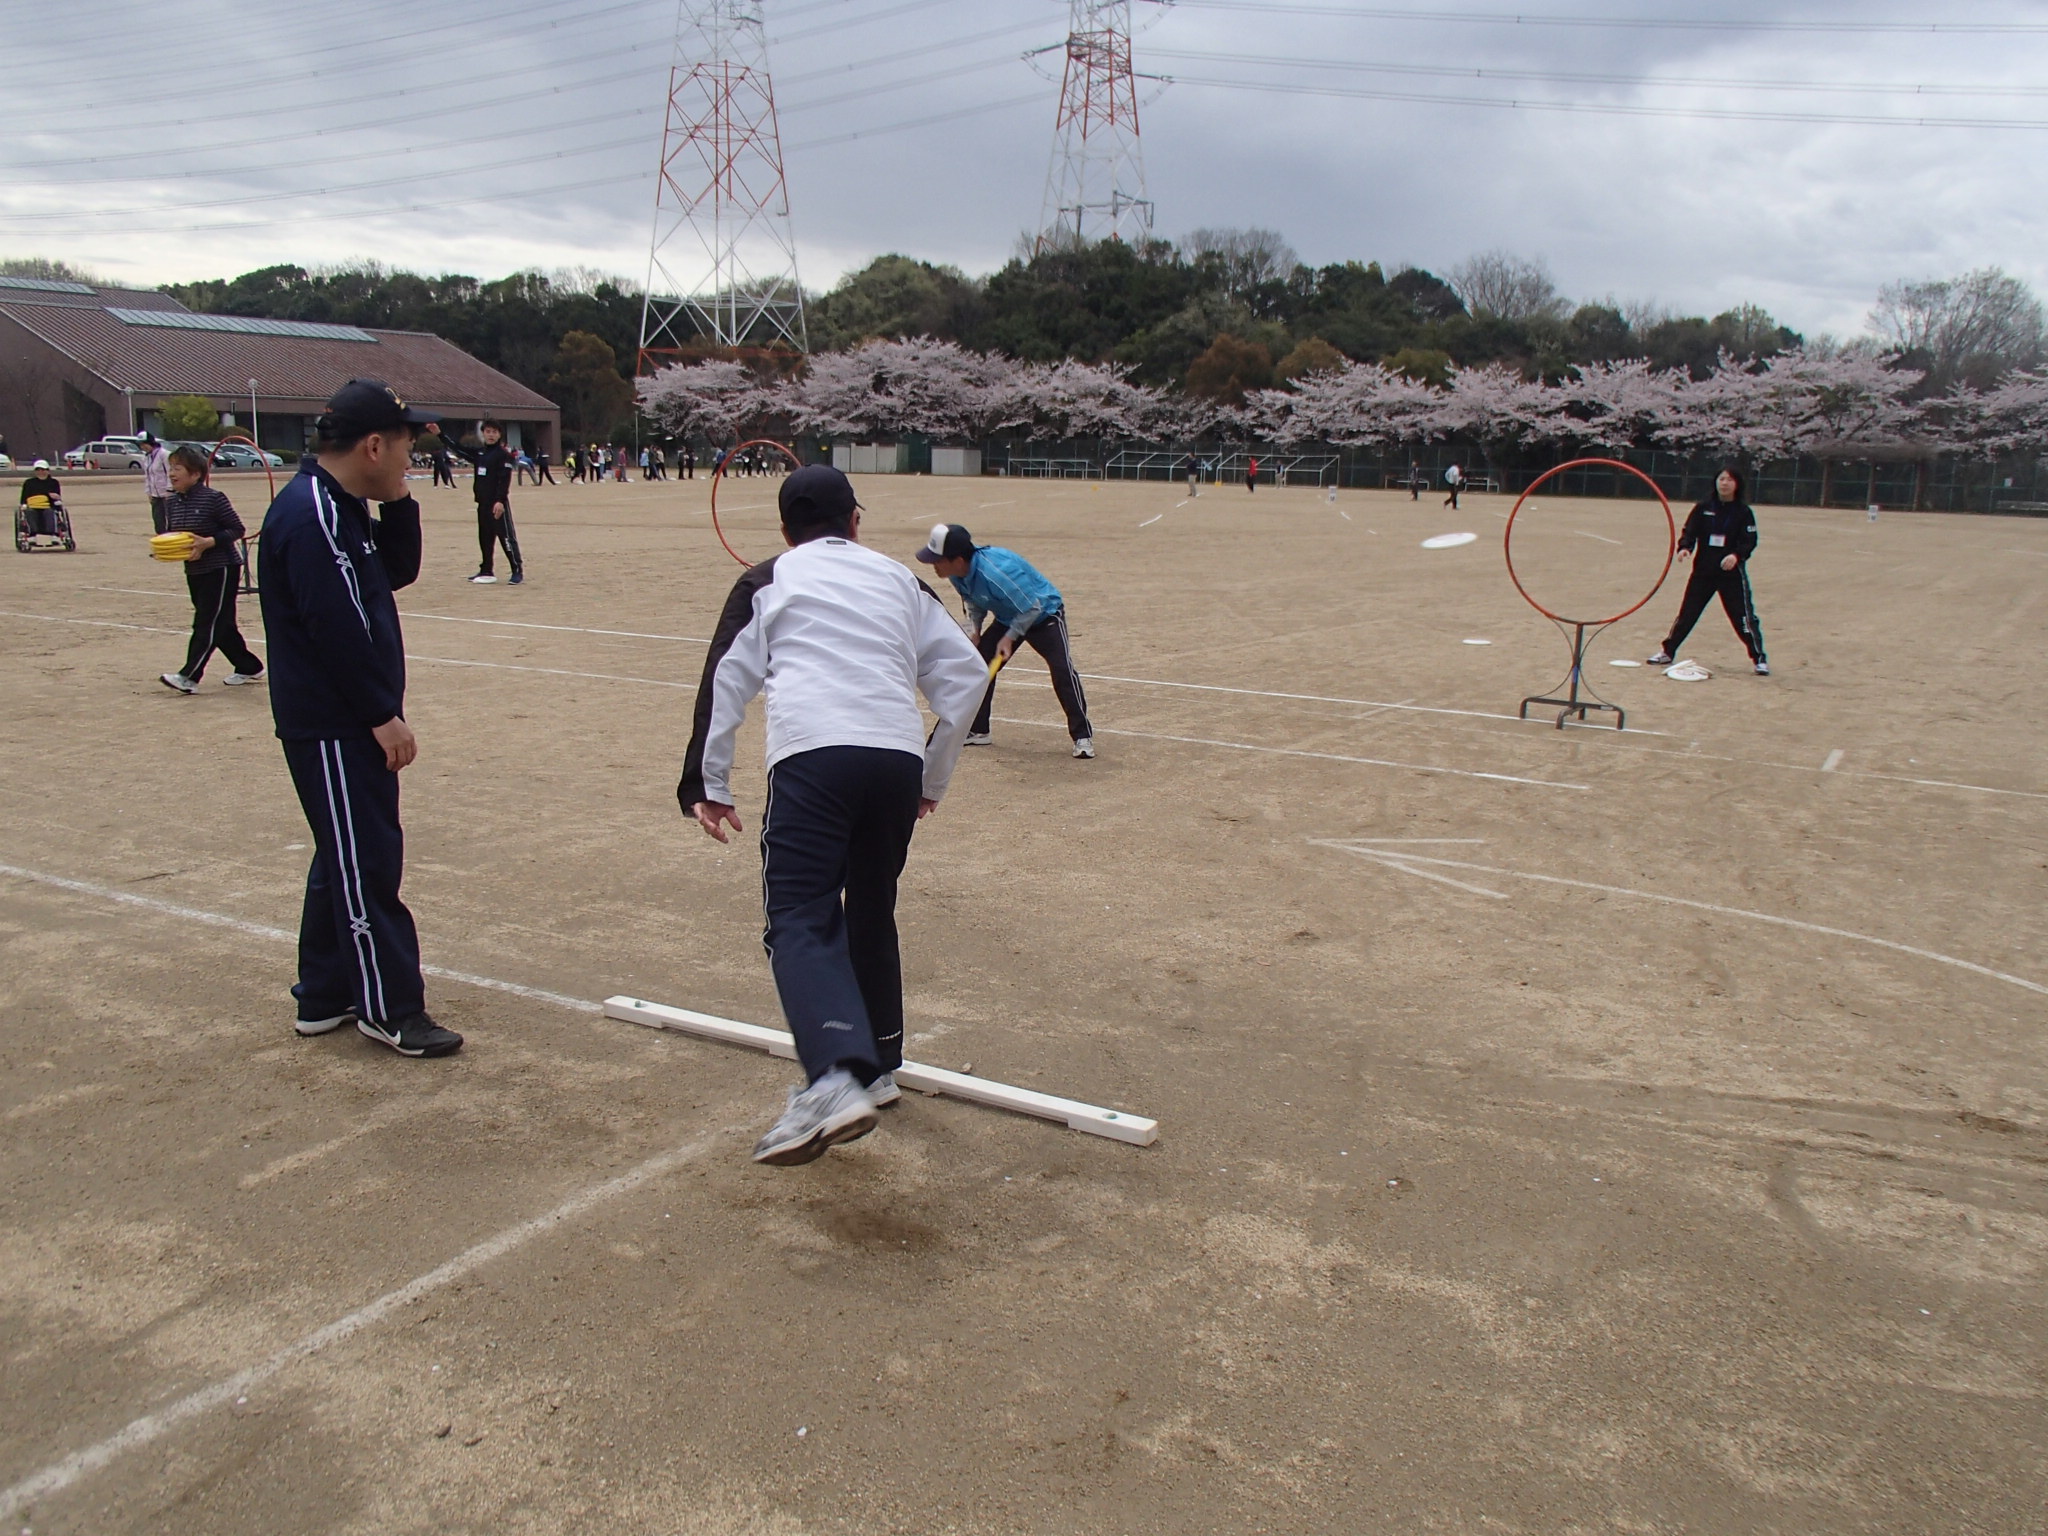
column 1661, row 659
column 1084, row 746
column 481, row 580
column 833, row 1109
column 242, row 679
column 979, row 738
column 883, row 1090
column 324, row 1026
column 179, row 681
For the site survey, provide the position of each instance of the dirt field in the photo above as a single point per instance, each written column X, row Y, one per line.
column 1669, row 1158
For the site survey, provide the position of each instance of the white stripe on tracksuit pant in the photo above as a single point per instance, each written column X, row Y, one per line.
column 358, row 948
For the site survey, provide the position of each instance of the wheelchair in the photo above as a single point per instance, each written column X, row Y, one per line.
column 41, row 523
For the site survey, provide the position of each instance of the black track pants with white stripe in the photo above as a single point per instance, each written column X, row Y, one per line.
column 833, row 841
column 1706, row 580
column 1048, row 637
column 358, row 948
column 213, row 623
column 492, row 530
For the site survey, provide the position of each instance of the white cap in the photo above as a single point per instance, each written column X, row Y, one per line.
column 42, row 463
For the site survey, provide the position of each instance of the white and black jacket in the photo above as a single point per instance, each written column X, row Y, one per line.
column 842, row 640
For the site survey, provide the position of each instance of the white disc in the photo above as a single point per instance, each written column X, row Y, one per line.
column 1478, row 642
column 1449, row 540
column 1618, row 662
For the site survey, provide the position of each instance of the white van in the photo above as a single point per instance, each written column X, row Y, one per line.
column 108, row 453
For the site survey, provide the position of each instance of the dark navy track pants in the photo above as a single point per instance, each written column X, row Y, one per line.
column 358, row 948
column 1708, row 581
column 833, row 841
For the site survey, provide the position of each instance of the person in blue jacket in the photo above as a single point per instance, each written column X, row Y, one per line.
column 1002, row 586
column 337, row 693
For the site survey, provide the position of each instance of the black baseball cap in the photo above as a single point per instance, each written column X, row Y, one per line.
column 817, row 493
column 949, row 541
column 363, row 406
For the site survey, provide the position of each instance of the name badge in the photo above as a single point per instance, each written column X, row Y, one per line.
column 1716, row 540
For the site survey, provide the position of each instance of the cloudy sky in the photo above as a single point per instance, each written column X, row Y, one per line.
column 1696, row 153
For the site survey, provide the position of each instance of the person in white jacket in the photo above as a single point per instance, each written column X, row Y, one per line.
column 841, row 640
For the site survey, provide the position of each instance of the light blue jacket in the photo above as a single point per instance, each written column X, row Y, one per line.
column 1002, row 583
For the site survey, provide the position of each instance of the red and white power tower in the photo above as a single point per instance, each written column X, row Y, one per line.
column 1095, row 187
column 722, row 265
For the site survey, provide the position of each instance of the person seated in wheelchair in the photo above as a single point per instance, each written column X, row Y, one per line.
column 42, row 502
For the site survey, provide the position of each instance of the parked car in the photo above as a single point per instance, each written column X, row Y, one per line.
column 6, row 462
column 107, row 453
column 242, row 456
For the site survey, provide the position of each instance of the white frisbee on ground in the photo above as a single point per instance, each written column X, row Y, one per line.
column 1478, row 642
column 1449, row 540
column 1620, row 661
column 1687, row 671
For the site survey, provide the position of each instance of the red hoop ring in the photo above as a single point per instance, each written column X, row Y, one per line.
column 261, row 458
column 718, row 474
column 1507, row 539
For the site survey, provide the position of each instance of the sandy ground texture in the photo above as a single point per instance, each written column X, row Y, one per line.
column 1561, row 1131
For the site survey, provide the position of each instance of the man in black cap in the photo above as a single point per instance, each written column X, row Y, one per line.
column 1001, row 585
column 852, row 638
column 337, row 692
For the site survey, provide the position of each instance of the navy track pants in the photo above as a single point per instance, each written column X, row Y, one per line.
column 358, row 948
column 833, row 841
column 1707, row 581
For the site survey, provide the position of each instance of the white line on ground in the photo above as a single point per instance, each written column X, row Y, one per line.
column 265, row 931
column 1698, row 906
column 1600, row 536
column 980, row 505
column 61, row 1474
column 570, row 629
column 1393, row 859
column 1328, row 757
column 1151, row 520
column 506, row 666
column 1833, row 761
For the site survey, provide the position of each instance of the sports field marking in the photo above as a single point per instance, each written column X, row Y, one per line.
column 1151, row 520
column 1600, row 536
column 506, row 666
column 567, row 629
column 1833, row 761
column 61, row 1474
column 1327, row 757
column 1353, row 848
column 983, row 505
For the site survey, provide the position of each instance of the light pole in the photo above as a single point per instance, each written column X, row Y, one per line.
column 255, row 436
column 129, row 395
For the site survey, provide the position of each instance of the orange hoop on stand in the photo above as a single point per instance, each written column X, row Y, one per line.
column 1571, row 704
column 718, row 474
column 249, row 582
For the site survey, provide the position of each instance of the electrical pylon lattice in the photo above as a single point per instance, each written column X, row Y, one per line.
column 722, row 264
column 1095, row 187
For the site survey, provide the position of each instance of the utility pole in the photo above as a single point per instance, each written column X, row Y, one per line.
column 1095, row 186
column 722, row 262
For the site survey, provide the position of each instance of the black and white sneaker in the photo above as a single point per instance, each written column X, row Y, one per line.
column 833, row 1109
column 1084, row 746
column 1763, row 668
column 484, row 579
column 883, row 1090
column 416, row 1036
column 325, row 1026
column 1661, row 659
column 979, row 738
column 178, row 681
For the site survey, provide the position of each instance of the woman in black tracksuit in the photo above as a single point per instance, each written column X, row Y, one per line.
column 1720, row 535
column 212, row 571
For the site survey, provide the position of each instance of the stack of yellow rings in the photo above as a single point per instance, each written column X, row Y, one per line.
column 172, row 546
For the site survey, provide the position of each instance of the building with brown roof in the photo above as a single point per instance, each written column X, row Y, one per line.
column 78, row 362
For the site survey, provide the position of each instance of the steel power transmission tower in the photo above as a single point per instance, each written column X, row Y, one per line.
column 1095, row 187
column 722, row 264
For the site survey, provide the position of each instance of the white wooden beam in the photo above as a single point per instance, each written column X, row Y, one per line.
column 1091, row 1118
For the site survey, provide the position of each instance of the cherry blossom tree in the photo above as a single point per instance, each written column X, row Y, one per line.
column 720, row 401
column 1072, row 399
column 886, row 387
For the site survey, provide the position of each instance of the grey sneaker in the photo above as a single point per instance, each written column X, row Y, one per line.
column 835, row 1108
column 1763, row 668
column 242, row 679
column 178, row 681
column 1084, row 746
column 979, row 738
column 883, row 1090
column 1661, row 659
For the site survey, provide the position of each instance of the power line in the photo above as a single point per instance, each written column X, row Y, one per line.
column 1614, row 109
column 1653, row 23
column 1572, row 78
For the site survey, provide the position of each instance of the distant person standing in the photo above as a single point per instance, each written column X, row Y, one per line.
column 1454, row 477
column 337, row 691
column 156, row 480
column 1001, row 586
column 540, row 467
column 1414, row 481
column 492, row 486
column 444, row 467
column 1251, row 475
column 211, row 572
column 689, row 462
column 1192, row 468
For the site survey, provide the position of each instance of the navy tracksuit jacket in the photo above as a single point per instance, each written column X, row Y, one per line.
column 337, row 671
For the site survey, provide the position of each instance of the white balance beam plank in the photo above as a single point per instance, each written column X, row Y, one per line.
column 1091, row 1118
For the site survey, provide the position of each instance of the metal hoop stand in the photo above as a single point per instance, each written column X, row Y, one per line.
column 719, row 474
column 1575, row 630
column 249, row 583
